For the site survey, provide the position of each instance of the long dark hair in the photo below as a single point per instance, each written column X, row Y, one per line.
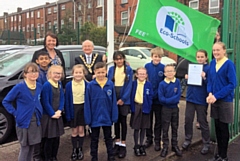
column 120, row 54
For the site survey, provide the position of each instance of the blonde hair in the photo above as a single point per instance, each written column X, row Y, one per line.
column 81, row 67
column 139, row 68
column 30, row 65
column 52, row 68
column 221, row 44
column 158, row 51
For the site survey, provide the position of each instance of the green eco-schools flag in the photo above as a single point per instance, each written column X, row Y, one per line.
column 174, row 27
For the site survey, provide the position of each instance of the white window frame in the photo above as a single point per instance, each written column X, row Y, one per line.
column 15, row 18
column 38, row 14
column 32, row 14
column 19, row 28
column 32, row 27
column 49, row 25
column 213, row 9
column 15, row 28
column 11, row 18
column 124, row 1
column 55, row 9
column 89, row 4
column 79, row 7
column 100, row 3
column 124, row 18
column 38, row 28
column 27, row 28
column 99, row 21
column 89, row 18
column 27, row 14
column 23, row 29
column 42, row 27
column 63, row 7
column 19, row 18
column 192, row 2
column 49, row 11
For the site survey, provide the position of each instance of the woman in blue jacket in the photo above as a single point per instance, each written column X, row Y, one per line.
column 28, row 111
column 221, row 84
column 121, row 75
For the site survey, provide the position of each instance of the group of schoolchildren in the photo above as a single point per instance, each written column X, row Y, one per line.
column 40, row 100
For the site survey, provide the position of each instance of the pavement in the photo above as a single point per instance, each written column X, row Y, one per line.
column 9, row 151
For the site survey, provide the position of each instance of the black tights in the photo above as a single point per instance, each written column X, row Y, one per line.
column 222, row 134
column 51, row 147
column 136, row 136
column 123, row 121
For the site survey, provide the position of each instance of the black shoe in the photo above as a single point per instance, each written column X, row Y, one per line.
column 157, row 147
column 142, row 151
column 137, row 150
column 215, row 158
column 224, row 159
column 164, row 152
column 74, row 154
column 186, row 145
column 112, row 158
column 54, row 159
column 177, row 151
column 148, row 143
column 94, row 159
column 205, row 149
column 80, row 154
column 122, row 152
column 116, row 149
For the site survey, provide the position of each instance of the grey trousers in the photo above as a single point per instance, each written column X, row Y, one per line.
column 26, row 153
column 202, row 119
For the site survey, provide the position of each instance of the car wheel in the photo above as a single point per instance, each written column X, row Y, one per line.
column 6, row 124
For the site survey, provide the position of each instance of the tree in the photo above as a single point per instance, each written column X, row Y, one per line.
column 96, row 34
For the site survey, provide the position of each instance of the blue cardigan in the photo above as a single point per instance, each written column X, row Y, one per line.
column 26, row 104
column 169, row 94
column 125, row 91
column 100, row 107
column 47, row 99
column 147, row 97
column 223, row 82
column 42, row 78
column 198, row 94
column 155, row 76
column 69, row 109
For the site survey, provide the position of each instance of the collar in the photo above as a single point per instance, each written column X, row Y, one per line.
column 86, row 55
column 168, row 81
column 77, row 83
column 139, row 82
column 54, row 84
column 222, row 60
column 29, row 85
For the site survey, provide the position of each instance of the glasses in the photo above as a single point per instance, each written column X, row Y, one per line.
column 56, row 73
column 33, row 72
column 169, row 71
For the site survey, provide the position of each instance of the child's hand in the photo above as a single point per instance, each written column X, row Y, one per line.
column 55, row 116
column 59, row 112
column 203, row 75
column 120, row 102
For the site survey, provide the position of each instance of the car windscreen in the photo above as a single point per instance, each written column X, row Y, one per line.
column 147, row 52
column 13, row 63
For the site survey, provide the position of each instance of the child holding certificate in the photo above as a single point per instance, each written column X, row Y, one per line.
column 196, row 101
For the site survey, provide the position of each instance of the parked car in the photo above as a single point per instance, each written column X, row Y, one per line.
column 11, row 72
column 8, row 49
column 139, row 56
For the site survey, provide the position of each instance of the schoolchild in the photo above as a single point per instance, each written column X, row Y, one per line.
column 222, row 81
column 53, row 102
column 121, row 74
column 196, row 101
column 28, row 111
column 155, row 70
column 141, row 102
column 74, row 105
column 43, row 61
column 100, row 110
column 169, row 93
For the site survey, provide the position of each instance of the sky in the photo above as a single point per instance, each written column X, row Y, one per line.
column 11, row 6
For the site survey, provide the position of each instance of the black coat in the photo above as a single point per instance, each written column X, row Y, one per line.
column 78, row 60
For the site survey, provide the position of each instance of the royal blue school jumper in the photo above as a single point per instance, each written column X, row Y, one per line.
column 42, row 78
column 69, row 109
column 198, row 94
column 100, row 106
column 26, row 104
column 46, row 99
column 223, row 82
column 126, row 89
column 169, row 93
column 155, row 76
column 147, row 97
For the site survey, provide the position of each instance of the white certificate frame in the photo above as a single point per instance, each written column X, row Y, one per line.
column 195, row 74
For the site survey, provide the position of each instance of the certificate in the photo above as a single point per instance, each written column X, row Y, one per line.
column 194, row 74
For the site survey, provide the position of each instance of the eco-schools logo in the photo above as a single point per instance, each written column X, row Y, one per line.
column 174, row 27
